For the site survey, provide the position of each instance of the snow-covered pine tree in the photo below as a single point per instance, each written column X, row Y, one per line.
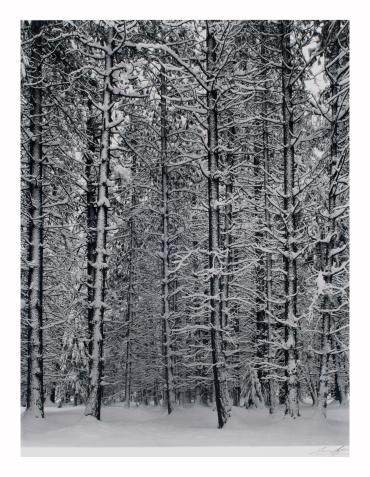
column 34, row 85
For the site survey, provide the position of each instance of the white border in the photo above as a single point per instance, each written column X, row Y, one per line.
column 252, row 451
column 9, row 223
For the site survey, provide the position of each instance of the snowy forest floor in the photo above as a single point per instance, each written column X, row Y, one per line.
column 192, row 426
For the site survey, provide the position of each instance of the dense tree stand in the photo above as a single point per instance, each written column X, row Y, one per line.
column 185, row 221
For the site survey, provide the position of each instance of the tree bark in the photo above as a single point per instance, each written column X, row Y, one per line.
column 35, row 374
column 93, row 405
column 290, row 263
column 91, row 221
column 166, row 311
column 227, row 233
column 268, row 270
column 267, row 225
column 331, row 229
column 131, row 291
column 218, row 358
column 260, row 272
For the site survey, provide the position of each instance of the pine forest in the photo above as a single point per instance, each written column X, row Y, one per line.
column 185, row 228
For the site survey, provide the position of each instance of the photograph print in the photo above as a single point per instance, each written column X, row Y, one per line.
column 185, row 236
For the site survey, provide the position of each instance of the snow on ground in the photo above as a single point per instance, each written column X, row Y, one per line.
column 191, row 427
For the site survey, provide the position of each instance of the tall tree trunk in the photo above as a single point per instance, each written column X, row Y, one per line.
column 93, row 405
column 267, row 225
column 325, row 343
column 328, row 258
column 227, row 233
column 165, row 251
column 268, row 268
column 260, row 272
column 91, row 226
column 292, row 406
column 131, row 292
column 35, row 386
column 229, row 310
column 237, row 357
column 218, row 358
column 200, row 335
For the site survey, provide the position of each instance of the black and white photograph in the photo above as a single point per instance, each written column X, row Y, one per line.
column 184, row 236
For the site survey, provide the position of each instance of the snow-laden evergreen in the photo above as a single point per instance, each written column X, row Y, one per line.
column 185, row 222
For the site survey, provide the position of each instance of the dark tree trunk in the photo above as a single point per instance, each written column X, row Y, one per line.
column 93, row 405
column 35, row 373
column 227, row 232
column 216, row 322
column 267, row 224
column 328, row 261
column 166, row 311
column 260, row 272
column 131, row 291
column 91, row 225
column 290, row 261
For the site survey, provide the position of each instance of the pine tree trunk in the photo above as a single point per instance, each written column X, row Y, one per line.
column 93, row 405
column 268, row 275
column 328, row 262
column 218, row 358
column 35, row 387
column 290, row 265
column 267, row 218
column 91, row 226
column 326, row 266
column 227, row 233
column 200, row 335
column 165, row 251
column 236, row 360
column 260, row 272
column 131, row 292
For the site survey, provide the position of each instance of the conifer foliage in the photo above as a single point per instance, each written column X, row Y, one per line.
column 185, row 214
